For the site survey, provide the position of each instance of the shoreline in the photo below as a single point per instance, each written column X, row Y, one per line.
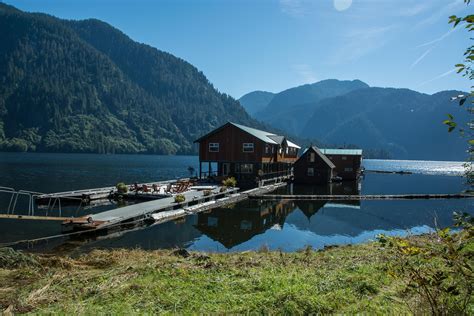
column 341, row 279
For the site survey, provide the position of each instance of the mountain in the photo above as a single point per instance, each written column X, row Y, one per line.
column 288, row 110
column 84, row 86
column 406, row 123
column 256, row 101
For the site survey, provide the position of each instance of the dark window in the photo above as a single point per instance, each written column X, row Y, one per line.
column 247, row 147
column 214, row 147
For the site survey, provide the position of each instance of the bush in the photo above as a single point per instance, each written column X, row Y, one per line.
column 438, row 273
column 179, row 198
column 230, row 182
column 121, row 187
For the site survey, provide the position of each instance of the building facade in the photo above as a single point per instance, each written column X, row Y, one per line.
column 347, row 161
column 244, row 153
column 313, row 167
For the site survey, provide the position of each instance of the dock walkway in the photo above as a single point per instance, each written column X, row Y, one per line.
column 359, row 197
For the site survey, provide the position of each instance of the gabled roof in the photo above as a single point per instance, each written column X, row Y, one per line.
column 320, row 154
column 264, row 136
column 346, row 152
column 278, row 139
column 291, row 144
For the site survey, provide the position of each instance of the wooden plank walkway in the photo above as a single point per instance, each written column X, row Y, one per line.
column 166, row 209
column 359, row 197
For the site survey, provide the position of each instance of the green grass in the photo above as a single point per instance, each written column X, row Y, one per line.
column 346, row 279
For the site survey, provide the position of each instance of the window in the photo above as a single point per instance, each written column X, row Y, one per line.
column 348, row 169
column 267, row 149
column 310, row 172
column 344, row 158
column 311, row 157
column 246, row 168
column 214, row 147
column 287, row 150
column 248, row 147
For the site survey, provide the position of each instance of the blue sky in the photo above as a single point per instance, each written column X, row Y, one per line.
column 272, row 45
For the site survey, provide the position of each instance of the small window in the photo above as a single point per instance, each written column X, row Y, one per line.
column 348, row 169
column 312, row 157
column 310, row 172
column 267, row 149
column 214, row 147
column 287, row 150
column 248, row 147
column 246, row 168
column 344, row 158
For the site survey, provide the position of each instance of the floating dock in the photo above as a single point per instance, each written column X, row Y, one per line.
column 360, row 197
column 165, row 209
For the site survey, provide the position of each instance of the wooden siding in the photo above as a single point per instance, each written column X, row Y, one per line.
column 350, row 161
column 322, row 172
column 231, row 140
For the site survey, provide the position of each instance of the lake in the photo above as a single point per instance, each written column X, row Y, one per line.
column 286, row 225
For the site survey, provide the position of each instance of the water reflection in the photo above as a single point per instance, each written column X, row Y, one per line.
column 287, row 225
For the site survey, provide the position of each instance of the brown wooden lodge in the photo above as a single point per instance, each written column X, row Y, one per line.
column 251, row 155
column 246, row 153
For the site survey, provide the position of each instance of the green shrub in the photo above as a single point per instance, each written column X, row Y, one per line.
column 230, row 182
column 179, row 198
column 121, row 187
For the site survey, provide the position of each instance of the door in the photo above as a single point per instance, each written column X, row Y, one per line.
column 225, row 169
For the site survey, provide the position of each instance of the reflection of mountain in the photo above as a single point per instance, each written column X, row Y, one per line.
column 346, row 220
column 231, row 227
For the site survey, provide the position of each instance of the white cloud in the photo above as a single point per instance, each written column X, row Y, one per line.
column 442, row 37
column 421, row 57
column 294, row 8
column 443, row 12
column 305, row 72
column 361, row 42
column 444, row 74
column 433, row 44
column 413, row 10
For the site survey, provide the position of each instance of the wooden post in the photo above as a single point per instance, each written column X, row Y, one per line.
column 209, row 169
column 200, row 170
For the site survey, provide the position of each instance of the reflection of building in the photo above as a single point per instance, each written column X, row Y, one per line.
column 337, row 188
column 245, row 152
column 231, row 227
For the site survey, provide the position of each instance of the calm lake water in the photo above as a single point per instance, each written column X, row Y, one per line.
column 286, row 225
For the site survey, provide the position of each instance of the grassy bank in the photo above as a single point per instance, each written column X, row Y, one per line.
column 342, row 279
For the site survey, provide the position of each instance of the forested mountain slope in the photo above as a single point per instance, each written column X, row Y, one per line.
column 84, row 86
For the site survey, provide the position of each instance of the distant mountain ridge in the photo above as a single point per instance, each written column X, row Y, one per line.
column 256, row 101
column 84, row 86
column 289, row 109
column 399, row 123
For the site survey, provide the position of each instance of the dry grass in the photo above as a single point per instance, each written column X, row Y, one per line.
column 339, row 280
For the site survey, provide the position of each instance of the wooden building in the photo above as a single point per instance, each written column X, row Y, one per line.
column 347, row 161
column 313, row 167
column 245, row 153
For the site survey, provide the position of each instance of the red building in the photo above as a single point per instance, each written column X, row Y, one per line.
column 313, row 167
column 245, row 153
column 347, row 161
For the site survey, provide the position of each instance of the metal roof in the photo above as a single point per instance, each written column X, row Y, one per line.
column 320, row 154
column 267, row 137
column 291, row 144
column 262, row 135
column 346, row 152
column 277, row 138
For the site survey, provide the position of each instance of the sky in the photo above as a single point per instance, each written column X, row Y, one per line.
column 273, row 45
